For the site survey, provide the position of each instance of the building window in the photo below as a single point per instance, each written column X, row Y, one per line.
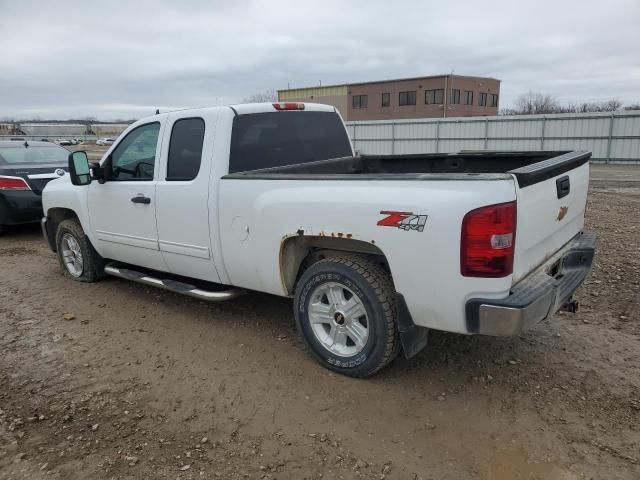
column 482, row 101
column 434, row 96
column 360, row 101
column 494, row 100
column 468, row 97
column 407, row 98
column 386, row 99
column 455, row 96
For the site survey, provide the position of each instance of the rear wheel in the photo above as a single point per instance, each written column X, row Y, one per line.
column 78, row 259
column 345, row 312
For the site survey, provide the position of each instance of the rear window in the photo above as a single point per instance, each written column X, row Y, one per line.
column 185, row 149
column 274, row 139
column 18, row 155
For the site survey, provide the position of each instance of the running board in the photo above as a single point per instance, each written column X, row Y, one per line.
column 173, row 285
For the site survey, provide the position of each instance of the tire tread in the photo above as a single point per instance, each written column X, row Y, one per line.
column 381, row 283
column 94, row 264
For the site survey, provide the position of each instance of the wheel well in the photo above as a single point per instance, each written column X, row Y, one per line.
column 54, row 217
column 297, row 253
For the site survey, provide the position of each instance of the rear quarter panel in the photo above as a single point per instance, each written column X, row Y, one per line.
column 256, row 216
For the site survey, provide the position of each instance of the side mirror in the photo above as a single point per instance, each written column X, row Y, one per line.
column 97, row 172
column 79, row 168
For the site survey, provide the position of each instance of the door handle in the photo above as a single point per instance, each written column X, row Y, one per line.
column 141, row 199
column 563, row 186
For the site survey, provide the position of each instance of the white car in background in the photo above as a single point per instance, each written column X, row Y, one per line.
column 105, row 141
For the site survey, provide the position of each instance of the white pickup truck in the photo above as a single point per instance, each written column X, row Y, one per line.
column 374, row 250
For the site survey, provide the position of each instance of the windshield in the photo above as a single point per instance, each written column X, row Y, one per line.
column 21, row 154
column 274, row 139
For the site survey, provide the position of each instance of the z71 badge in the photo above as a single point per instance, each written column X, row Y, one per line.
column 403, row 220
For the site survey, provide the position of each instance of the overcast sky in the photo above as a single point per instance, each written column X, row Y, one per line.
column 122, row 59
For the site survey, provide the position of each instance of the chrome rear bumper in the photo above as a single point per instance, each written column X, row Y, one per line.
column 539, row 295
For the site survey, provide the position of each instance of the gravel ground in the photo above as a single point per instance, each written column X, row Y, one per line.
column 116, row 380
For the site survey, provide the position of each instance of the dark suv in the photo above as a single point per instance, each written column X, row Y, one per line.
column 25, row 168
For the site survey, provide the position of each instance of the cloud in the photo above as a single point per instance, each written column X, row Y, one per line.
column 122, row 59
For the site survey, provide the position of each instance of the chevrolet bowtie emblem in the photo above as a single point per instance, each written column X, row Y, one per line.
column 562, row 213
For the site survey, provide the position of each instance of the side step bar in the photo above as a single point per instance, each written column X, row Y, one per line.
column 173, row 285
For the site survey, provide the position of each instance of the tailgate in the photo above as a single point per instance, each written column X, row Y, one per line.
column 552, row 197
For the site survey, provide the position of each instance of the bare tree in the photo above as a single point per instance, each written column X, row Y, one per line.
column 633, row 106
column 538, row 103
column 587, row 107
column 610, row 105
column 266, row 96
column 531, row 103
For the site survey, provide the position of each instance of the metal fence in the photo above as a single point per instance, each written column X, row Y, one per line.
column 611, row 137
column 50, row 138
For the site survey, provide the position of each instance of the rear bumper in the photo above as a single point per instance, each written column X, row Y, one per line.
column 19, row 206
column 537, row 296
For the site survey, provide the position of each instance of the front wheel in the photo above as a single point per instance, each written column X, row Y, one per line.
column 345, row 312
column 77, row 257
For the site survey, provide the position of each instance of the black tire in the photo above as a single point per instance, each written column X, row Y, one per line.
column 93, row 265
column 374, row 288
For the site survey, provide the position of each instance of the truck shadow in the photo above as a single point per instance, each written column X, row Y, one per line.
column 455, row 358
column 460, row 357
column 25, row 232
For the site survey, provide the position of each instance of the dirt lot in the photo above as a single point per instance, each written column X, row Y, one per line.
column 139, row 383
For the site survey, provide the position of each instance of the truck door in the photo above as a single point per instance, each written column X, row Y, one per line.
column 122, row 209
column 183, row 196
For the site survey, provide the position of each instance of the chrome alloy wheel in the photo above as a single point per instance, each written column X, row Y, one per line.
column 338, row 319
column 72, row 255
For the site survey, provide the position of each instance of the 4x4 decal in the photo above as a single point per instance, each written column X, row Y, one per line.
column 403, row 220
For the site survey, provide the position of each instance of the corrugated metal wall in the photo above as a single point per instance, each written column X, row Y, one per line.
column 613, row 137
column 106, row 129
column 53, row 129
column 37, row 131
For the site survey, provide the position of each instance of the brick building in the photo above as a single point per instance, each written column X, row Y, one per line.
column 421, row 97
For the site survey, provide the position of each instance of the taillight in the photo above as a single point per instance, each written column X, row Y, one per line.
column 289, row 106
column 13, row 183
column 488, row 241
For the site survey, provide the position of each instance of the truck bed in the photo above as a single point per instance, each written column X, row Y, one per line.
column 527, row 167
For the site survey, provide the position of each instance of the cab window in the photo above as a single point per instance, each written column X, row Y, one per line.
column 135, row 156
column 185, row 149
column 274, row 139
